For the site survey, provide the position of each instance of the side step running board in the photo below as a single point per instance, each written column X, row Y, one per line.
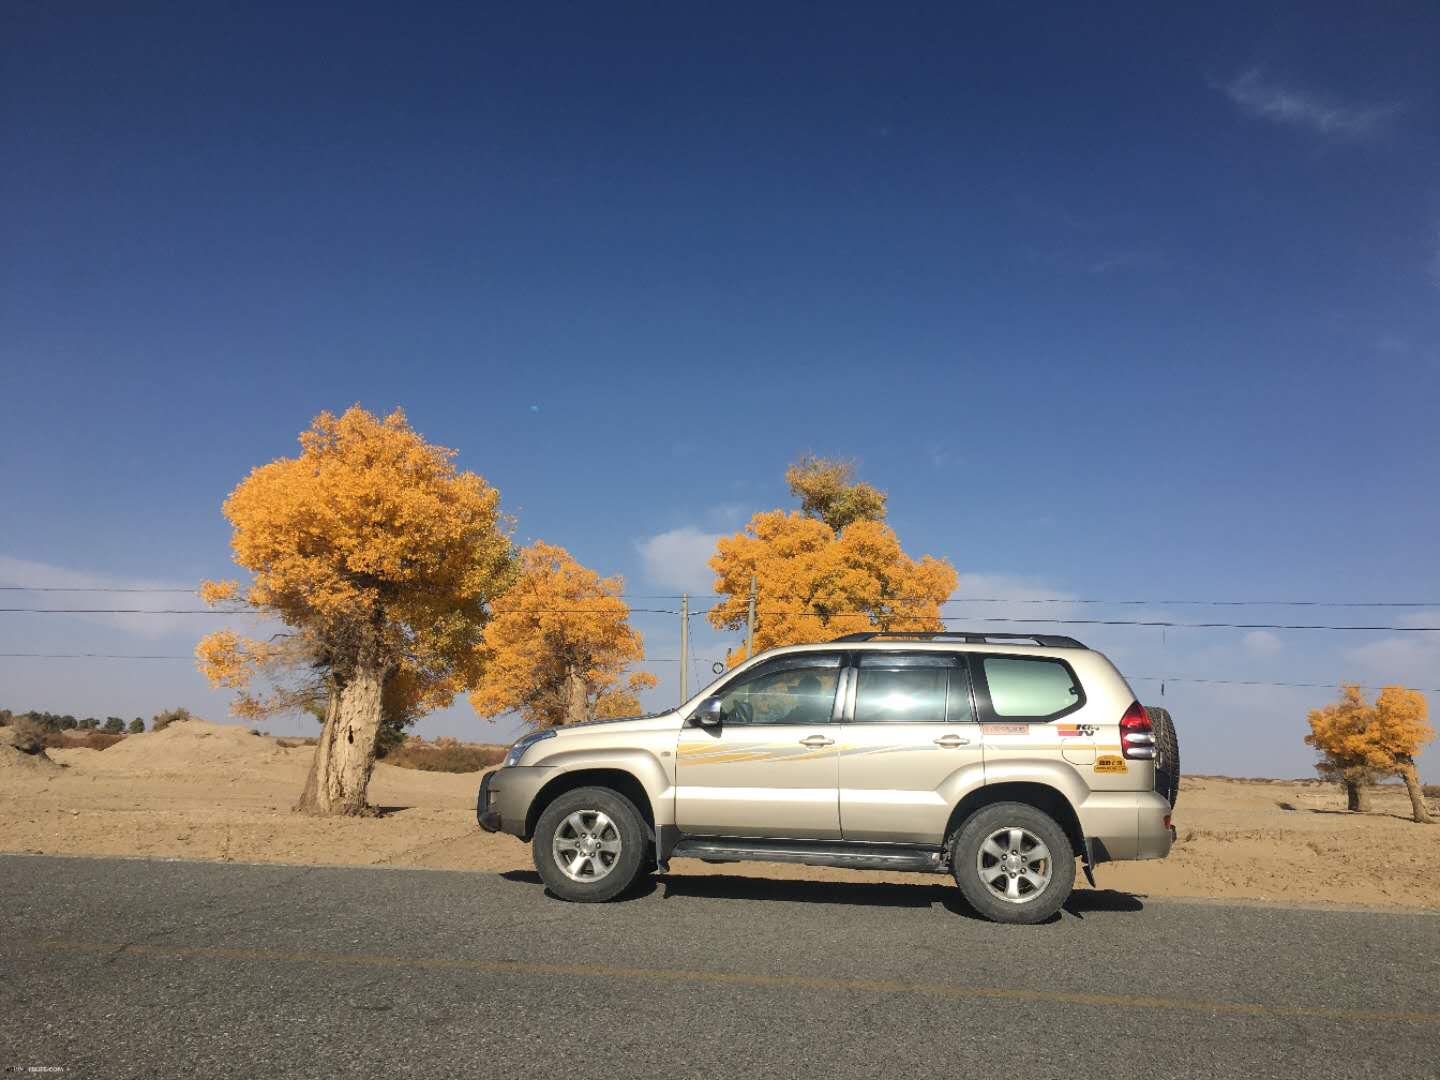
column 813, row 853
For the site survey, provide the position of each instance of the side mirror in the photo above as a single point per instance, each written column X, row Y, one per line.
column 707, row 713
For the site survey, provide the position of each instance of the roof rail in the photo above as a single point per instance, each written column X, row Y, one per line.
column 970, row 637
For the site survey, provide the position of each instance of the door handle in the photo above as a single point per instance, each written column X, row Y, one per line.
column 950, row 742
column 816, row 740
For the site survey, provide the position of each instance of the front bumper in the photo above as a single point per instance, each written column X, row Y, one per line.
column 506, row 795
column 487, row 814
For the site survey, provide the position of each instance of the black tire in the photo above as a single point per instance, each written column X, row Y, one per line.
column 1035, row 906
column 636, row 851
column 1167, row 753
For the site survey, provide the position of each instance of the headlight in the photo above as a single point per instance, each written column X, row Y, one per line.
column 517, row 751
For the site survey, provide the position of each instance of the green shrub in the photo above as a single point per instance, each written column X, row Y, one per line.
column 168, row 717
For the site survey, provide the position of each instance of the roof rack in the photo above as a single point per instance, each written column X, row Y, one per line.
column 1050, row 641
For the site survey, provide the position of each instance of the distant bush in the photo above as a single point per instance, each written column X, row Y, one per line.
column 46, row 721
column 293, row 742
column 27, row 736
column 85, row 740
column 444, row 755
column 95, row 740
column 137, row 726
column 168, row 717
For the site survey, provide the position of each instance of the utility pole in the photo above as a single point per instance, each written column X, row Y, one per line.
column 684, row 648
column 750, row 622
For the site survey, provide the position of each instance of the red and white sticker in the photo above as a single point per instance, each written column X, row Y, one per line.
column 1075, row 731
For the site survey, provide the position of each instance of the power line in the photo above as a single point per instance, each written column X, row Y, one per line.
column 137, row 656
column 1118, row 622
column 676, row 660
column 1190, row 603
column 90, row 589
column 895, row 599
column 117, row 611
column 1194, row 626
column 1166, row 623
column 248, row 611
column 91, row 656
column 1257, row 682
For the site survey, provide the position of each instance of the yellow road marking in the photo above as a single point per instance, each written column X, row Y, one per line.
column 740, row 978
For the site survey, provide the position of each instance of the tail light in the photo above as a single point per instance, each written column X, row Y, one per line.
column 1136, row 741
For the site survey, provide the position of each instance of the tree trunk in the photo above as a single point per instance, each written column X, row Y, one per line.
column 345, row 755
column 1421, row 813
column 1357, row 797
column 578, row 708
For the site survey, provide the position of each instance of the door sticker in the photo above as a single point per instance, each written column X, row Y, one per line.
column 1075, row 731
column 1005, row 729
column 1111, row 763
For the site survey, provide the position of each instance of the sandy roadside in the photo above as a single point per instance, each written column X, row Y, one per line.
column 209, row 791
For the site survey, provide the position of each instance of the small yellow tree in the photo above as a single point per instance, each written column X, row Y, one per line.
column 1360, row 741
column 1338, row 732
column 558, row 645
column 833, row 568
column 379, row 558
column 1400, row 731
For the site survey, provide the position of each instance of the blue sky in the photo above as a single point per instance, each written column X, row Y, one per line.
column 1122, row 304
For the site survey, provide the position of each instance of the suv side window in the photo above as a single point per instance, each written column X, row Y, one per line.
column 1032, row 687
column 796, row 689
column 911, row 688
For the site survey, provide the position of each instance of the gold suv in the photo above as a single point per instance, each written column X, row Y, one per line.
column 997, row 758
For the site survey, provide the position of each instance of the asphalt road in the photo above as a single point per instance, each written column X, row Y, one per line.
column 115, row 968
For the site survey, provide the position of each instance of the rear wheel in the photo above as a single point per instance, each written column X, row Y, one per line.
column 1167, row 752
column 590, row 845
column 1013, row 862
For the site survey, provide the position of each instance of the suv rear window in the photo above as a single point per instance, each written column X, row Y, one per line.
column 1036, row 688
column 908, row 688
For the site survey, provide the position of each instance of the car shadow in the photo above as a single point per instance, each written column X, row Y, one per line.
column 1082, row 902
column 789, row 890
column 644, row 885
column 1087, row 900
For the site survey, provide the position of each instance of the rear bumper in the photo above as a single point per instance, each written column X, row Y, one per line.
column 1128, row 824
column 503, row 804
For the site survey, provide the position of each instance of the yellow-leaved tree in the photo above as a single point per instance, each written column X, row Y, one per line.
column 380, row 558
column 558, row 645
column 1360, row 741
column 1338, row 732
column 832, row 568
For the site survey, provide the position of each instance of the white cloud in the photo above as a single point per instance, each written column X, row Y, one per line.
column 1408, row 659
column 1268, row 100
column 678, row 559
column 30, row 574
column 1262, row 643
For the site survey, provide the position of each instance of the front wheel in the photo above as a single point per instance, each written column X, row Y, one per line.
column 590, row 845
column 1013, row 862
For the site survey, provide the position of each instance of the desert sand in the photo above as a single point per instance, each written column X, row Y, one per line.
column 215, row 791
